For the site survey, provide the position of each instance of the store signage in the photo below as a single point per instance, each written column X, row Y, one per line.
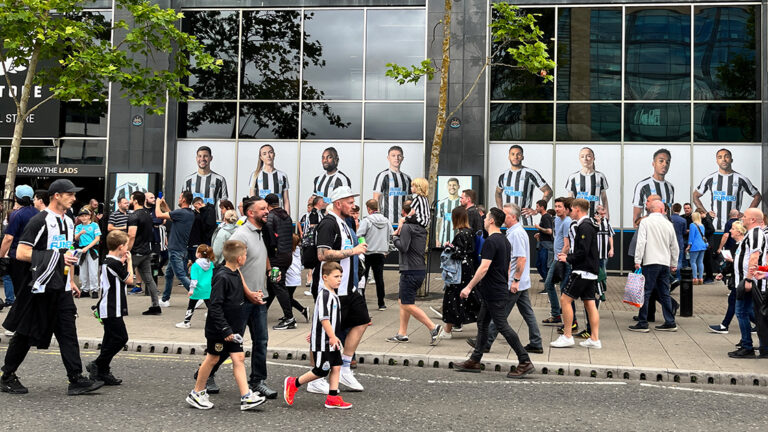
column 61, row 170
column 137, row 120
column 41, row 123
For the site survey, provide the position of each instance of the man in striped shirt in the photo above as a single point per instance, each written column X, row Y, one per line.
column 517, row 184
column 654, row 185
column 392, row 186
column 118, row 220
column 204, row 183
column 726, row 188
column 588, row 183
column 325, row 184
column 444, row 208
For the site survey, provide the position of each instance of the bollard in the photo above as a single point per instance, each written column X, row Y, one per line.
column 686, row 292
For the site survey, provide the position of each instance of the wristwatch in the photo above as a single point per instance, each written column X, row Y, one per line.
column 514, row 279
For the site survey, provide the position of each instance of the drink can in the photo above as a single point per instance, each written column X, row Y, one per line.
column 361, row 240
column 274, row 273
column 238, row 338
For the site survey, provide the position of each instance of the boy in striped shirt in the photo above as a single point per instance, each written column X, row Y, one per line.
column 324, row 344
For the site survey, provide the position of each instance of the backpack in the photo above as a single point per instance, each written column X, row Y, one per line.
column 479, row 241
column 308, row 245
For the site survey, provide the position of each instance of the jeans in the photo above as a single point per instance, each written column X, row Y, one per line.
column 680, row 260
column 745, row 314
column 8, row 287
column 731, row 311
column 143, row 266
column 554, row 300
column 496, row 311
column 697, row 263
column 545, row 256
column 523, row 302
column 89, row 273
column 656, row 280
column 255, row 317
column 375, row 262
column 177, row 265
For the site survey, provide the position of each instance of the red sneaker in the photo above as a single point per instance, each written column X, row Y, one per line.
column 336, row 402
column 289, row 390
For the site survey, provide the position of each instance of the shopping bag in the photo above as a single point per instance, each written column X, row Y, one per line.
column 634, row 290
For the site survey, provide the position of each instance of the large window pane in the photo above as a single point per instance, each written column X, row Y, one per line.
column 218, row 31
column 513, row 84
column 88, row 152
column 658, row 58
column 521, row 122
column 394, row 36
column 589, row 54
column 657, row 122
column 207, row 120
column 269, row 120
column 271, row 44
column 320, row 120
column 727, row 122
column 589, row 122
column 726, row 53
column 394, row 121
column 84, row 120
column 333, row 54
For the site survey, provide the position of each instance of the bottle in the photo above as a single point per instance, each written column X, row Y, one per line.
column 72, row 251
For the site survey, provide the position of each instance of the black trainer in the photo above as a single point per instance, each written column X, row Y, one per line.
column 305, row 314
column 288, row 324
column 81, row 385
column 667, row 327
column 9, row 383
column 534, row 349
column 742, row 353
column 96, row 375
column 261, row 388
column 472, row 342
column 210, row 385
column 153, row 310
column 94, row 295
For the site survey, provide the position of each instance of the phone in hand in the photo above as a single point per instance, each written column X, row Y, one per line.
column 160, row 194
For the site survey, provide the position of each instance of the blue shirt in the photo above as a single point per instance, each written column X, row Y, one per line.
column 182, row 218
column 679, row 223
column 89, row 231
column 561, row 232
column 695, row 238
column 16, row 224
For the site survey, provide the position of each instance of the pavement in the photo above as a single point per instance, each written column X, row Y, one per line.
column 692, row 354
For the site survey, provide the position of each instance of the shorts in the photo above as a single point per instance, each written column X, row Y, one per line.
column 219, row 347
column 354, row 311
column 410, row 282
column 580, row 288
column 324, row 361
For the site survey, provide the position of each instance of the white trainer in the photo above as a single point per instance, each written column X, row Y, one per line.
column 563, row 342
column 199, row 400
column 445, row 335
column 164, row 303
column 347, row 378
column 319, row 386
column 589, row 343
column 184, row 325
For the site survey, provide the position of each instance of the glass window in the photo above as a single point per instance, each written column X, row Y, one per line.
column 514, row 84
column 394, row 36
column 320, row 120
column 333, row 54
column 270, row 56
column 726, row 53
column 88, row 152
column 657, row 122
column 589, row 122
column 727, row 122
column 83, row 120
column 218, row 31
column 34, row 155
column 589, row 54
column 394, row 121
column 521, row 122
column 658, row 45
column 207, row 120
column 269, row 120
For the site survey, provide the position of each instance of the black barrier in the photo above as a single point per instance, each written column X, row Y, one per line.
column 686, row 292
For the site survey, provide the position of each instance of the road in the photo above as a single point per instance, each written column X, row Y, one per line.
column 396, row 398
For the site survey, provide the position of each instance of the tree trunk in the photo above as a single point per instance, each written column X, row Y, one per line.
column 442, row 104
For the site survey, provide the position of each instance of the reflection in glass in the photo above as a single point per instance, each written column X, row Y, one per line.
column 657, row 122
column 514, row 84
column 394, row 36
column 521, row 122
column 269, row 120
column 331, row 120
column 270, row 54
column 394, row 121
column 589, row 54
column 589, row 122
column 337, row 42
column 726, row 53
column 207, row 120
column 34, row 155
column 726, row 122
column 217, row 31
column 83, row 120
column 87, row 152
column 658, row 45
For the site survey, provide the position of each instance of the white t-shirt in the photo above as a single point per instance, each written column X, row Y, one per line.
column 518, row 239
column 293, row 275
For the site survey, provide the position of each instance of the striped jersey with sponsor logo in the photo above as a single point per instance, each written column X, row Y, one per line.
column 327, row 183
column 754, row 241
column 327, row 307
column 113, row 302
column 604, row 234
column 125, row 190
column 212, row 187
column 264, row 183
column 420, row 208
column 393, row 187
column 587, row 186
column 444, row 208
column 726, row 191
column 49, row 231
column 517, row 188
column 650, row 186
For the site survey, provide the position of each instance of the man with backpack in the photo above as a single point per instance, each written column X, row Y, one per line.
column 280, row 231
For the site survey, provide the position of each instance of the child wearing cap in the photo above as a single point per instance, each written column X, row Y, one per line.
column 88, row 235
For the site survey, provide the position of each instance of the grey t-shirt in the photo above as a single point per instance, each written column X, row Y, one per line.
column 255, row 268
column 518, row 239
column 182, row 219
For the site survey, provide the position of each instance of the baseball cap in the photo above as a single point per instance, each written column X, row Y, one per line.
column 24, row 191
column 272, row 199
column 84, row 211
column 341, row 193
column 63, row 186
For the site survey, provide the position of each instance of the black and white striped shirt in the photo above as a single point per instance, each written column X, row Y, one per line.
column 394, row 187
column 444, row 208
column 726, row 191
column 604, row 234
column 587, row 186
column 49, row 231
column 327, row 307
column 264, row 183
column 420, row 208
column 325, row 184
column 125, row 190
column 212, row 187
column 113, row 302
column 517, row 188
column 650, row 186
column 754, row 241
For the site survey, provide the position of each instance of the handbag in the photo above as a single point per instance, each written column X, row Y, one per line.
column 634, row 290
column 702, row 236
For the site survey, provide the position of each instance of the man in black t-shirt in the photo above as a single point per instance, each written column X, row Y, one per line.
column 492, row 279
column 546, row 245
column 140, row 237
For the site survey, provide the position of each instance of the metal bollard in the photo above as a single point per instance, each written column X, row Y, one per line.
column 686, row 292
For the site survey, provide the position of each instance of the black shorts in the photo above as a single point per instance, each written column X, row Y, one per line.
column 324, row 361
column 410, row 282
column 354, row 311
column 219, row 347
column 580, row 288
